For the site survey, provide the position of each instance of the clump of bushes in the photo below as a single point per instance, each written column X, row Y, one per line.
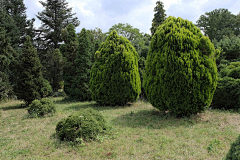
column 86, row 124
column 234, row 152
column 180, row 72
column 227, row 94
column 42, row 107
column 46, row 89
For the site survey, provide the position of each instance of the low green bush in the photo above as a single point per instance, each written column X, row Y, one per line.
column 227, row 94
column 234, row 152
column 86, row 124
column 234, row 73
column 42, row 107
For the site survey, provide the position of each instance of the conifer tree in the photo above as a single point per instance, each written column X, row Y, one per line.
column 159, row 16
column 69, row 51
column 30, row 80
column 55, row 17
column 115, row 78
column 6, row 58
column 16, row 9
column 83, row 67
column 180, row 73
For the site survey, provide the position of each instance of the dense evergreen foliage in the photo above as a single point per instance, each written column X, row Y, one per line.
column 83, row 67
column 55, row 17
column 234, row 152
column 6, row 58
column 69, row 51
column 86, row 124
column 159, row 17
column 30, row 79
column 16, row 9
column 115, row 78
column 180, row 72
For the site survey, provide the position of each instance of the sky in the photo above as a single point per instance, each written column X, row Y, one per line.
column 138, row 13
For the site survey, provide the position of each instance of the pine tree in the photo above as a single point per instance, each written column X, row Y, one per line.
column 57, row 69
column 30, row 80
column 83, row 67
column 17, row 11
column 6, row 58
column 69, row 51
column 115, row 78
column 159, row 16
column 55, row 17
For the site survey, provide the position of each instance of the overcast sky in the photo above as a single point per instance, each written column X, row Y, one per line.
column 138, row 13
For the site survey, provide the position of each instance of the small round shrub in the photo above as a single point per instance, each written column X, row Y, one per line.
column 180, row 73
column 86, row 124
column 42, row 107
column 115, row 78
column 234, row 152
column 227, row 94
column 46, row 89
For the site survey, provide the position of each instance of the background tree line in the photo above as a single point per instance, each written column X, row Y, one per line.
column 57, row 33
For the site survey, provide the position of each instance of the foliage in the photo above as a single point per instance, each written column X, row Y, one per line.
column 6, row 58
column 132, row 34
column 86, row 124
column 180, row 73
column 234, row 152
column 16, row 9
column 227, row 94
column 30, row 79
column 141, row 66
column 83, row 62
column 115, row 78
column 159, row 17
column 217, row 23
column 229, row 46
column 46, row 89
column 69, row 51
column 42, row 107
column 55, row 17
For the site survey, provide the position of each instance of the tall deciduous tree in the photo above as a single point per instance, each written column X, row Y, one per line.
column 30, row 79
column 217, row 23
column 159, row 16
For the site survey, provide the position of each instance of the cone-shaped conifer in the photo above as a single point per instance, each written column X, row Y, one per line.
column 180, row 73
column 83, row 67
column 30, row 79
column 115, row 78
column 69, row 51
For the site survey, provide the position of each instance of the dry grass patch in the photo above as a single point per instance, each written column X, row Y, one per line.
column 139, row 132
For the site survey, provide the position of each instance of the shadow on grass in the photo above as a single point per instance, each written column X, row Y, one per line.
column 93, row 105
column 19, row 106
column 153, row 119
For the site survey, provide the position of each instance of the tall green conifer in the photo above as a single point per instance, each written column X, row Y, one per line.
column 69, row 51
column 159, row 16
column 30, row 80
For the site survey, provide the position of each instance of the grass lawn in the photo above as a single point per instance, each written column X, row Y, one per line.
column 139, row 132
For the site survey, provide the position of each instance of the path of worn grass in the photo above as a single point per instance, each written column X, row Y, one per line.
column 141, row 132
